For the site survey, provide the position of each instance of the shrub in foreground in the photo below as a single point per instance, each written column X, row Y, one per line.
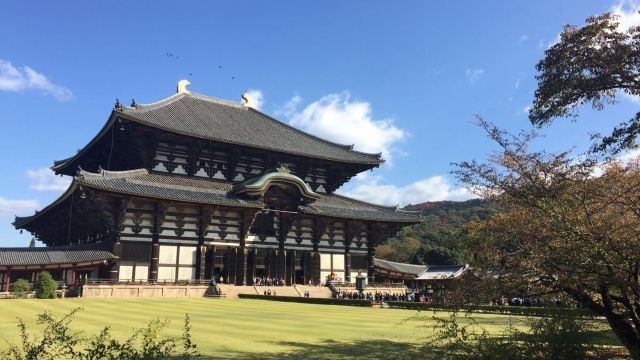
column 20, row 288
column 45, row 286
column 59, row 341
column 559, row 337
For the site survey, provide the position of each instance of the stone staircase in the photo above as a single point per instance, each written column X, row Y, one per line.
column 232, row 291
column 279, row 290
column 322, row 292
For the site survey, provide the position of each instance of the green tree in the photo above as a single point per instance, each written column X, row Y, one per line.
column 45, row 286
column 565, row 230
column 590, row 64
column 20, row 287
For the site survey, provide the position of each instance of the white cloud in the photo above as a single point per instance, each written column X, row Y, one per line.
column 290, row 107
column 337, row 118
column 627, row 12
column 517, row 84
column 523, row 38
column 13, row 207
column 257, row 98
column 473, row 74
column 46, row 180
column 526, row 109
column 435, row 188
column 18, row 79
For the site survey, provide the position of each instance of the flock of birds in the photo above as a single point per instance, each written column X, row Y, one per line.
column 176, row 57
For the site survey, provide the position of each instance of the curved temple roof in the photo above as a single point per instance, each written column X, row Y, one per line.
column 144, row 183
column 422, row 272
column 224, row 121
column 258, row 185
column 54, row 255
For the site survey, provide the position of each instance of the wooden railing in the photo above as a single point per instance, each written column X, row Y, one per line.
column 145, row 282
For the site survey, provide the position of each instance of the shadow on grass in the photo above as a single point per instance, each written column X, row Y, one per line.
column 330, row 349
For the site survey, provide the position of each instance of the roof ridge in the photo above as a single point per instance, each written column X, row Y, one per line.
column 394, row 208
column 152, row 105
column 377, row 156
column 177, row 96
column 110, row 174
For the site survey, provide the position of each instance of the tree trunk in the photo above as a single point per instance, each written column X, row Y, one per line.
column 623, row 329
column 625, row 332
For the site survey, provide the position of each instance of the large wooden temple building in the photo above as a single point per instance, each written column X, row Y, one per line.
column 193, row 188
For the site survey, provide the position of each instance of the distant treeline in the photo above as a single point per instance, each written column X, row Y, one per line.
column 439, row 239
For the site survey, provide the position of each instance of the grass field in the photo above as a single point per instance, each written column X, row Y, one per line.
column 250, row 329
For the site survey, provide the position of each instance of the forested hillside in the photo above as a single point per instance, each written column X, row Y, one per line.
column 439, row 239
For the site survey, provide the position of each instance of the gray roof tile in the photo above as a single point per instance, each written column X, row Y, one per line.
column 53, row 255
column 225, row 121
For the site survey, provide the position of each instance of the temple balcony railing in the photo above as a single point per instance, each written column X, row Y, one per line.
column 146, row 282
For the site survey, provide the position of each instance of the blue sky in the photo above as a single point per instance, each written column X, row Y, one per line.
column 401, row 77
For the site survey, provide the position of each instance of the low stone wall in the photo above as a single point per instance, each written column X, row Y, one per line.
column 144, row 291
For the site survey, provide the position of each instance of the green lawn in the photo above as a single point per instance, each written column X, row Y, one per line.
column 250, row 329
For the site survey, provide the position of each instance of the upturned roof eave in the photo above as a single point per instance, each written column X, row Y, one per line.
column 372, row 160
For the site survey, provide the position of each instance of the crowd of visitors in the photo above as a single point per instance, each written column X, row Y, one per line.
column 380, row 296
column 268, row 281
column 537, row 302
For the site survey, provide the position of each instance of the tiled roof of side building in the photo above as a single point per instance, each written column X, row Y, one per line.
column 440, row 272
column 399, row 267
column 143, row 183
column 54, row 255
column 214, row 119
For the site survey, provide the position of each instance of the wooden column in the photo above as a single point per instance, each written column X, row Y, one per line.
column 118, row 211
column 160, row 210
column 285, row 223
column 212, row 257
column 319, row 228
column 308, row 268
column 246, row 222
column 371, row 276
column 204, row 219
column 291, row 268
column 241, row 265
column 352, row 229
column 376, row 233
column 251, row 265
column 7, row 280
column 273, row 262
column 232, row 254
column 347, row 264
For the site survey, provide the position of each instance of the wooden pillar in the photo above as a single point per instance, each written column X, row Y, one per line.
column 204, row 219
column 116, row 250
column 371, row 276
column 285, row 223
column 315, row 269
column 347, row 264
column 212, row 254
column 159, row 213
column 241, row 266
column 282, row 265
column 308, row 269
column 7, row 280
column 246, row 221
column 232, row 254
column 119, row 211
column 251, row 266
column 291, row 268
column 319, row 228
column 73, row 276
